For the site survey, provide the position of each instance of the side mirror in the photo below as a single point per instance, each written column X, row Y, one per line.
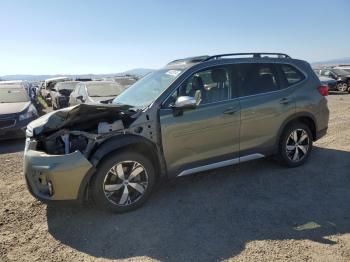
column 185, row 102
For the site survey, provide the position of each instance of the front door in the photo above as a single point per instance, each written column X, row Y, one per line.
column 208, row 134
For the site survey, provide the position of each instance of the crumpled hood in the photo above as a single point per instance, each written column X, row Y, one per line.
column 13, row 108
column 101, row 99
column 73, row 115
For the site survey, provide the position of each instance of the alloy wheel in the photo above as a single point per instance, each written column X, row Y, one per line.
column 342, row 87
column 125, row 183
column 297, row 146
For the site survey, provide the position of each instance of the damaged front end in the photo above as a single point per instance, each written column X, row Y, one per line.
column 60, row 143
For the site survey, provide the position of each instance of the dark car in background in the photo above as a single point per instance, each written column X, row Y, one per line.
column 330, row 82
column 16, row 111
column 341, row 76
column 95, row 92
column 61, row 92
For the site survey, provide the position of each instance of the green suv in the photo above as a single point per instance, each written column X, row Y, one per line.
column 193, row 115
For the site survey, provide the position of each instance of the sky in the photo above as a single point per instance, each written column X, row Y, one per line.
column 83, row 36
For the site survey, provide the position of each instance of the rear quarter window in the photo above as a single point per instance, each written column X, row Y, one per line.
column 291, row 74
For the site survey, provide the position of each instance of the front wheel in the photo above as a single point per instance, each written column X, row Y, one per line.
column 123, row 182
column 342, row 87
column 295, row 144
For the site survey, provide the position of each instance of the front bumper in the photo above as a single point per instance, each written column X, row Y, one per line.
column 54, row 177
column 62, row 101
column 16, row 131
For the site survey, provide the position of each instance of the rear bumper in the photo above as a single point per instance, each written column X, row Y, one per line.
column 55, row 177
column 321, row 133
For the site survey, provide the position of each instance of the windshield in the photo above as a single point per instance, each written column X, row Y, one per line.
column 125, row 81
column 13, row 95
column 146, row 90
column 68, row 86
column 340, row 72
column 103, row 89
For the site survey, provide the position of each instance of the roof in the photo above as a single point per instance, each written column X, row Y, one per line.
column 11, row 82
column 191, row 61
column 57, row 78
column 67, row 82
column 12, row 86
column 99, row 82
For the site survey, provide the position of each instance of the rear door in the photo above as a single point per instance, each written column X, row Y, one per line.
column 266, row 102
column 208, row 134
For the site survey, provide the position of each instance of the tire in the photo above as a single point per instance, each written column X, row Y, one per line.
column 293, row 153
column 342, row 87
column 112, row 188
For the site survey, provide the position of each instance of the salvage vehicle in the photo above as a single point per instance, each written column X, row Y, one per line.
column 16, row 111
column 95, row 92
column 48, row 85
column 193, row 115
column 60, row 93
column 330, row 82
column 341, row 76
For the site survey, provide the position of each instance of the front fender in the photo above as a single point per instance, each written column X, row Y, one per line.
column 114, row 143
column 108, row 146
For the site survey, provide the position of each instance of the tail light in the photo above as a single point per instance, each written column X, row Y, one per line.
column 324, row 90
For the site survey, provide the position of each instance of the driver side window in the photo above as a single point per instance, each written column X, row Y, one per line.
column 207, row 86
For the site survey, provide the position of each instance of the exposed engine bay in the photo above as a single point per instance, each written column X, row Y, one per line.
column 81, row 127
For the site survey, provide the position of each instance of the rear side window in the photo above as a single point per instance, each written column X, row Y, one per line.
column 291, row 74
column 256, row 78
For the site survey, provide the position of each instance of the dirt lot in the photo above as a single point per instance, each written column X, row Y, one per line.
column 258, row 211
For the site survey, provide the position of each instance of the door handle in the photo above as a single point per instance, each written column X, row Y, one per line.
column 230, row 110
column 285, row 101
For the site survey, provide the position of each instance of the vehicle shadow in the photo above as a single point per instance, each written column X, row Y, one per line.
column 213, row 215
column 338, row 93
column 11, row 146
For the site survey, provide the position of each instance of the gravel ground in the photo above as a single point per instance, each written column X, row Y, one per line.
column 257, row 211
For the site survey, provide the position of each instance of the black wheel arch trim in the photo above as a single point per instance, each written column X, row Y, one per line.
column 113, row 144
column 291, row 119
column 117, row 142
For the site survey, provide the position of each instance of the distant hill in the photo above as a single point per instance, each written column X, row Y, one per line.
column 339, row 61
column 140, row 72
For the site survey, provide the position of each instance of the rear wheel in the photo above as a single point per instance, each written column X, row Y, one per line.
column 295, row 144
column 124, row 181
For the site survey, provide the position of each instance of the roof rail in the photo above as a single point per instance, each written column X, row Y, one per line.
column 194, row 59
column 254, row 55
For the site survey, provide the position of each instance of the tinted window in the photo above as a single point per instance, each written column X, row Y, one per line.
column 291, row 74
column 256, row 78
column 207, row 86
